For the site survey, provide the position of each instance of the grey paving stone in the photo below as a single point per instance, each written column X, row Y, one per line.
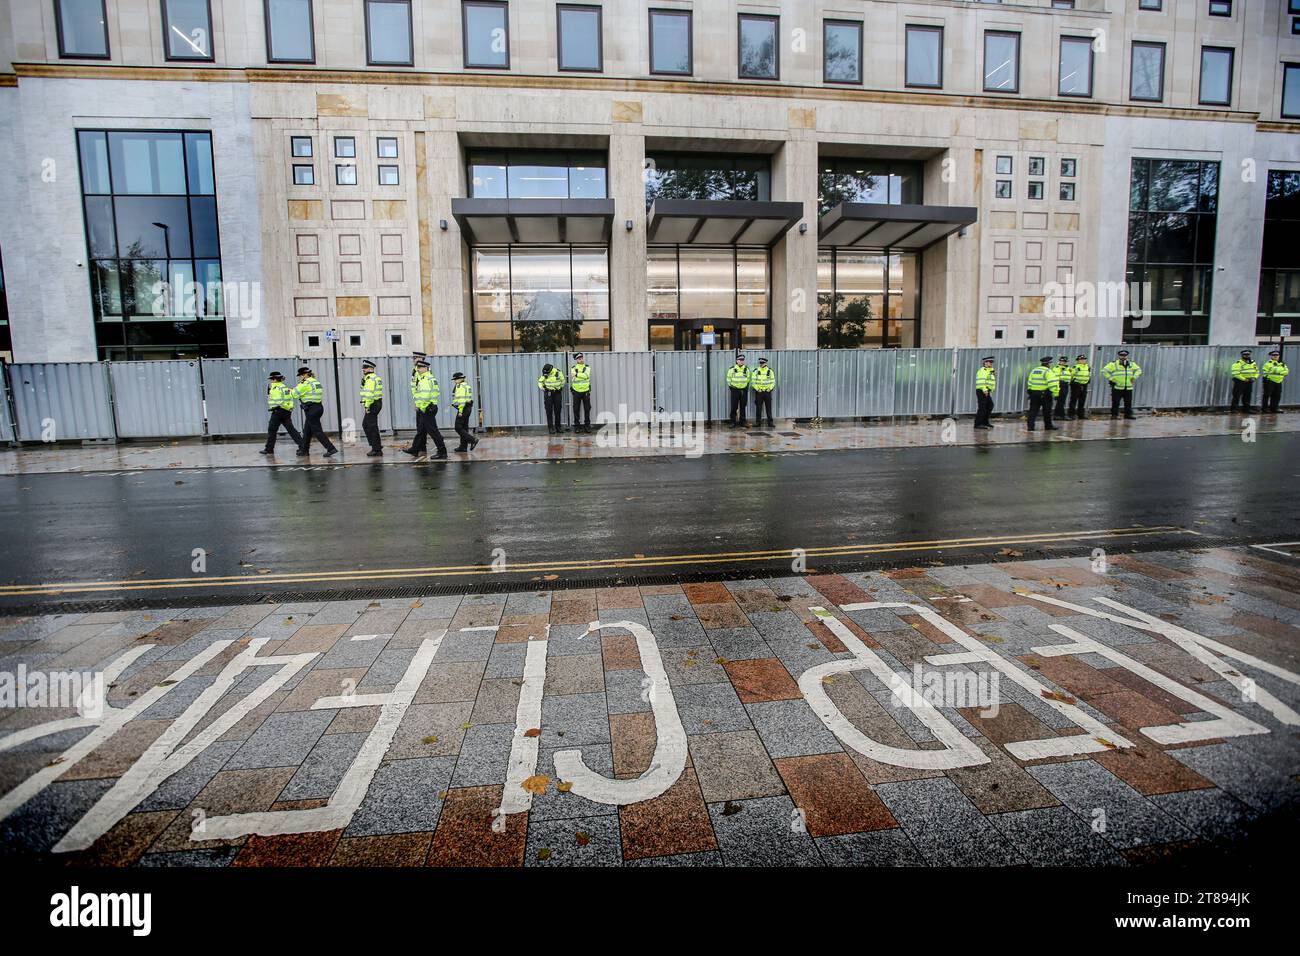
column 703, row 858
column 484, row 756
column 575, row 674
column 173, row 703
column 760, row 834
column 944, row 825
column 567, row 640
column 319, row 775
column 179, row 790
column 692, row 665
column 603, row 844
column 435, row 608
column 1055, row 836
column 507, row 660
column 528, row 602
column 801, row 652
column 1212, row 814
column 191, row 646
column 873, row 848
column 41, row 822
column 623, row 690
column 789, row 728
column 349, row 653
column 873, row 619
column 1247, row 778
column 739, row 644
column 460, row 646
column 1130, row 819
column 733, row 766
column 216, row 856
column 403, row 797
column 554, row 805
column 710, row 708
column 389, row 668
column 687, row 632
column 574, row 721
column 282, row 740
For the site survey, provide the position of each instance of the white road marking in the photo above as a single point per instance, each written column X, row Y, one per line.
column 352, row 700
column 162, row 759
column 343, row 804
column 363, row 637
column 1099, row 736
column 112, row 722
column 1273, row 546
column 528, row 715
column 669, row 758
column 959, row 750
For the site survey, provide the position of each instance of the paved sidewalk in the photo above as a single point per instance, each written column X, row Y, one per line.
column 746, row 723
column 620, row 443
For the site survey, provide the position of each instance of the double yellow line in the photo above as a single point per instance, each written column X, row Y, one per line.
column 610, row 564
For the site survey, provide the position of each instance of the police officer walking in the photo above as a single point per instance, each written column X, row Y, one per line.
column 1064, row 376
column 311, row 395
column 1275, row 373
column 551, row 382
column 986, row 383
column 372, row 400
column 738, row 390
column 1043, row 386
column 462, row 399
column 279, row 399
column 1080, row 376
column 425, row 393
column 1121, row 373
column 763, row 381
column 580, row 385
column 1244, row 373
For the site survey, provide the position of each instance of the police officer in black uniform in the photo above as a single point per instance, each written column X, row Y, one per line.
column 281, row 414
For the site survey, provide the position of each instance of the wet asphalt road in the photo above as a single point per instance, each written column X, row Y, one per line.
column 261, row 523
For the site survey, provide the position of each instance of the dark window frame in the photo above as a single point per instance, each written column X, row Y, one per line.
column 311, row 147
column 379, row 174
column 690, row 40
column 775, row 20
column 339, row 167
column 1210, row 11
column 379, row 150
column 410, row 34
column 1092, row 64
column 298, row 166
column 504, row 5
column 1144, row 5
column 560, row 9
column 167, row 46
column 335, row 145
column 1153, row 44
column 1001, row 33
column 58, row 29
column 922, row 28
column 840, row 22
column 311, row 34
column 1287, row 68
column 1200, row 75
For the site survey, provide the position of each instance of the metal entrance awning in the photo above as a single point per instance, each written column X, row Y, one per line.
column 720, row 222
column 498, row 221
column 863, row 225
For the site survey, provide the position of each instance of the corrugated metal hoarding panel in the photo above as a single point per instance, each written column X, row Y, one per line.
column 719, row 361
column 62, row 401
column 876, row 392
column 7, row 430
column 234, row 392
column 1186, row 379
column 157, row 399
column 622, row 384
column 796, row 380
column 1222, row 382
column 680, row 383
column 923, row 381
column 1012, row 366
column 839, row 374
column 510, row 394
column 350, row 394
column 1145, row 390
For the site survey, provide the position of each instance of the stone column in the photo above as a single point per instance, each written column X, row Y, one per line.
column 794, row 257
column 627, row 250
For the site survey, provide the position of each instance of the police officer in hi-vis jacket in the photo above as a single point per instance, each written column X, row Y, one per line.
column 279, row 399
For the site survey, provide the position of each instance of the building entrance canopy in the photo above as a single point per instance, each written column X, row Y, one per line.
column 898, row 228
column 537, row 221
column 720, row 222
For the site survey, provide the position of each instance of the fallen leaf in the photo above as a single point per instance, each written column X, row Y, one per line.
column 721, row 660
column 442, row 794
column 564, row 786
column 417, row 604
column 536, row 784
column 828, row 679
column 1011, row 553
column 550, row 577
column 533, row 732
column 1107, row 744
column 688, row 663
column 544, row 853
column 464, row 726
column 1053, row 695
column 581, row 838
column 431, row 739
column 731, row 809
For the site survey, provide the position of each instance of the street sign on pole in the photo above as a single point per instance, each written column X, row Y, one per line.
column 332, row 337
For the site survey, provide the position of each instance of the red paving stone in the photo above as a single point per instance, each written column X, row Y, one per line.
column 619, row 652
column 837, row 589
column 707, row 593
column 762, row 679
column 465, row 836
column 676, row 821
column 289, row 849
column 1147, row 769
column 833, row 795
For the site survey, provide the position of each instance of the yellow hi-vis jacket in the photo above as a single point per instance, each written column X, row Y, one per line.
column 738, row 376
column 372, row 389
column 1121, row 376
column 763, row 379
column 1276, row 371
column 424, row 390
column 1244, row 371
column 986, row 379
column 551, row 381
column 279, row 395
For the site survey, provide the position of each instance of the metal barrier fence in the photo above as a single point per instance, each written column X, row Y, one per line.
column 227, row 397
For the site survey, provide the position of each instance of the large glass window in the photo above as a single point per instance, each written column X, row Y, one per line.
column 759, row 47
column 706, row 176
column 486, row 34
column 151, row 230
column 1001, row 62
column 388, row 33
column 541, row 298
column 1076, row 67
column 579, row 30
column 1279, row 275
column 1173, row 214
column 867, row 299
column 289, row 36
column 701, row 283
column 924, row 56
column 1216, row 76
column 867, row 180
column 82, row 26
column 536, row 174
column 670, row 42
column 6, row 338
column 187, row 29
column 1147, row 75
column 842, row 54
column 1291, row 90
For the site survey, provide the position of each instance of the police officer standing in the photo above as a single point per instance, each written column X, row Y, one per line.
column 1275, row 373
column 580, row 385
column 311, row 395
column 1121, row 373
column 462, row 399
column 1043, row 386
column 1064, row 376
column 986, row 383
column 279, row 399
column 1080, row 376
column 1244, row 373
column 372, row 400
column 551, row 382
column 763, row 381
column 738, row 390
column 425, row 393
